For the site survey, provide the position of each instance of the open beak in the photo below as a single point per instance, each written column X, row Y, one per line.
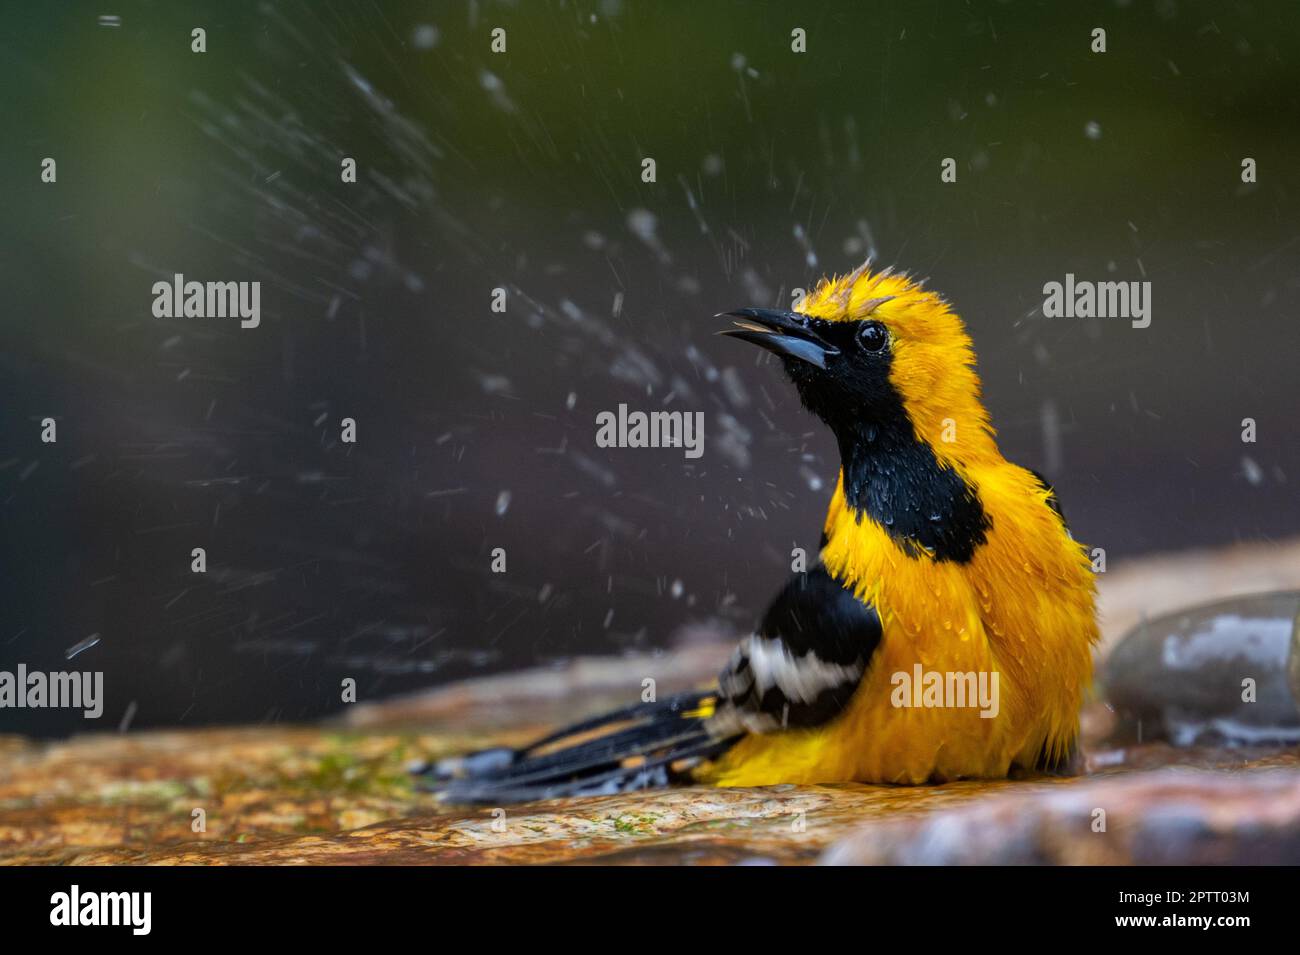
column 782, row 333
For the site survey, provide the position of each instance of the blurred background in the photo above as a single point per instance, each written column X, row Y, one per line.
column 522, row 170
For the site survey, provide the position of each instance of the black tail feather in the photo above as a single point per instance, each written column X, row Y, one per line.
column 661, row 743
column 651, row 774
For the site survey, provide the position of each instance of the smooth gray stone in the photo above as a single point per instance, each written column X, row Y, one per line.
column 1180, row 676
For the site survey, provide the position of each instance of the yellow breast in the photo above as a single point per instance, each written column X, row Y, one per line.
column 1014, row 627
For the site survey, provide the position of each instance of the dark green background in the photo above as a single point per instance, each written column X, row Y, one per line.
column 521, row 170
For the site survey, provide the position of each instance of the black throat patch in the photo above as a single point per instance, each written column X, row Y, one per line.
column 890, row 475
column 897, row 481
column 894, row 478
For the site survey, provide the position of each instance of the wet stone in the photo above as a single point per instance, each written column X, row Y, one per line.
column 307, row 795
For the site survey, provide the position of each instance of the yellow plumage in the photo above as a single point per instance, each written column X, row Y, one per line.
column 1022, row 606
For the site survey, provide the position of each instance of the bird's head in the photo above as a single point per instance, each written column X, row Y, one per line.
column 874, row 354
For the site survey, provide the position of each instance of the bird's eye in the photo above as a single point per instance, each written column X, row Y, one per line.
column 873, row 336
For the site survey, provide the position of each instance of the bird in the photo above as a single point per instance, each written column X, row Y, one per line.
column 944, row 632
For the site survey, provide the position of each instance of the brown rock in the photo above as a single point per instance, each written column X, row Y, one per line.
column 1166, row 817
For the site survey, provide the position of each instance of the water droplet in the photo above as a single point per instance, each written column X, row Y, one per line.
column 425, row 36
column 81, row 646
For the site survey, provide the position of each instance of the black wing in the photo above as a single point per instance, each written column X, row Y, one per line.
column 800, row 669
column 803, row 665
column 1052, row 500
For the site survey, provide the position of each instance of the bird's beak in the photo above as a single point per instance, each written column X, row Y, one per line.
column 783, row 333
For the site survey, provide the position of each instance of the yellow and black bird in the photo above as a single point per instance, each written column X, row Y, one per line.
column 942, row 565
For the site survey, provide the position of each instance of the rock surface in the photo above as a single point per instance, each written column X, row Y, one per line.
column 1166, row 817
column 301, row 796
